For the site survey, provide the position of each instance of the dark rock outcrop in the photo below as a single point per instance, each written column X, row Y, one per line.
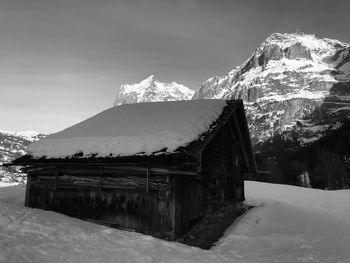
column 297, row 51
column 271, row 52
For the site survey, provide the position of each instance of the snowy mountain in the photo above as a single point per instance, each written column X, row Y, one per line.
column 25, row 135
column 150, row 90
column 291, row 82
column 12, row 145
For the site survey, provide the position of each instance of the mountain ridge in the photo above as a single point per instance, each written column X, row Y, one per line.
column 287, row 80
column 13, row 145
column 150, row 90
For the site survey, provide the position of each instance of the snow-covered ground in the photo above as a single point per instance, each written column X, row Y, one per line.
column 5, row 184
column 288, row 224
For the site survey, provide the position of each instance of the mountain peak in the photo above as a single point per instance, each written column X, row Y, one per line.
column 148, row 80
column 151, row 89
column 318, row 46
column 285, row 80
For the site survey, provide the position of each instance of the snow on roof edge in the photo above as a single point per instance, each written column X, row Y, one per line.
column 188, row 120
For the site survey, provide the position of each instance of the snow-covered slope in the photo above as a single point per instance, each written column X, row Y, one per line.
column 289, row 79
column 150, row 90
column 290, row 225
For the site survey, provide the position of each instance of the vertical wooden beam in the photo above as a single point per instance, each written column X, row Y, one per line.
column 235, row 161
column 201, row 175
column 172, row 206
column 147, row 179
column 27, row 202
column 199, row 163
column 240, row 137
column 242, row 186
column 223, row 179
column 249, row 139
column 222, row 147
column 56, row 180
column 101, row 179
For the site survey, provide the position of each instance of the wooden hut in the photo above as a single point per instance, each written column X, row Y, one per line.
column 159, row 190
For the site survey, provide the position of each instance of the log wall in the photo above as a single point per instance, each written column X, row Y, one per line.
column 222, row 166
column 121, row 201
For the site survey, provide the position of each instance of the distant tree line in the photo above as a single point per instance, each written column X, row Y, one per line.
column 324, row 164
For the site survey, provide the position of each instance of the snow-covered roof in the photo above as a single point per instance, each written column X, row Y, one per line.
column 131, row 129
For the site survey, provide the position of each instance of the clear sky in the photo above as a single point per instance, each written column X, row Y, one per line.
column 62, row 60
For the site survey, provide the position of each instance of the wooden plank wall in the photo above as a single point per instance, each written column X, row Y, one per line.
column 189, row 201
column 120, row 201
column 222, row 166
column 220, row 180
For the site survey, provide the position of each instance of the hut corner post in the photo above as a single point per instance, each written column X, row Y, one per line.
column 172, row 206
column 27, row 202
column 147, row 178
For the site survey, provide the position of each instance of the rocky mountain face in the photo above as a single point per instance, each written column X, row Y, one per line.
column 292, row 82
column 150, row 90
column 12, row 146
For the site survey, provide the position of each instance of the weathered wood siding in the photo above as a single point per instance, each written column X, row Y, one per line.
column 110, row 200
column 222, row 167
column 189, row 201
column 220, row 179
